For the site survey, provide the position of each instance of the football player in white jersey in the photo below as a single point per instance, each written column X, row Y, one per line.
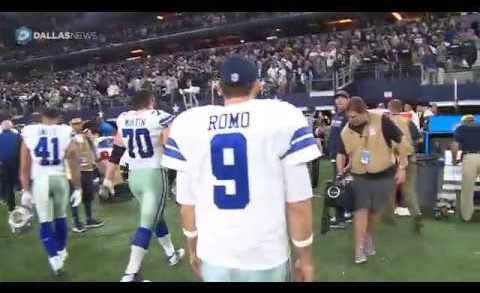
column 45, row 147
column 242, row 179
column 142, row 133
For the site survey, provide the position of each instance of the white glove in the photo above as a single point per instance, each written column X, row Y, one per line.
column 108, row 184
column 27, row 199
column 76, row 197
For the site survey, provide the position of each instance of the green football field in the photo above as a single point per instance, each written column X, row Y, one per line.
column 448, row 250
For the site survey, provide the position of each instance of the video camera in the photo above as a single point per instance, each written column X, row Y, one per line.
column 337, row 193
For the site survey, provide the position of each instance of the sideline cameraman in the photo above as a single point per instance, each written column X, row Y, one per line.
column 367, row 142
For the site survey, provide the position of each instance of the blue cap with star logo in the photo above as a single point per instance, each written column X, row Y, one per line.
column 237, row 70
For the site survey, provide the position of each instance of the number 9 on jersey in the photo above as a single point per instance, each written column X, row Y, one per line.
column 229, row 162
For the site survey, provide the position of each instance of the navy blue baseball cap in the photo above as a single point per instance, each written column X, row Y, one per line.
column 237, row 70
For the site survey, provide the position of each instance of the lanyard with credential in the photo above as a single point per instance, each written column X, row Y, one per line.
column 366, row 129
column 365, row 154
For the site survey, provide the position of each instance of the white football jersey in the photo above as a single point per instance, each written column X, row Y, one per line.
column 234, row 158
column 47, row 145
column 141, row 135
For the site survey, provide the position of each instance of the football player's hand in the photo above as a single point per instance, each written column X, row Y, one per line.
column 76, row 197
column 27, row 199
column 303, row 271
column 108, row 184
column 195, row 263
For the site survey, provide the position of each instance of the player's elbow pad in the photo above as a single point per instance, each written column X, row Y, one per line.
column 117, row 154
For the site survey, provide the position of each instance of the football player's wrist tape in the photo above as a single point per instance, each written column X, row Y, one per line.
column 303, row 243
column 190, row 234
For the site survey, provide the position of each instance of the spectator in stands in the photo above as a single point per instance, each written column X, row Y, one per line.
column 388, row 58
column 113, row 90
column 429, row 65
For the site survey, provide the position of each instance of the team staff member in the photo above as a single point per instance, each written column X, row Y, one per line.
column 466, row 138
column 411, row 135
column 338, row 122
column 88, row 159
column 10, row 143
column 367, row 143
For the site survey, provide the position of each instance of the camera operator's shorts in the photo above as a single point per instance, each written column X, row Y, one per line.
column 372, row 193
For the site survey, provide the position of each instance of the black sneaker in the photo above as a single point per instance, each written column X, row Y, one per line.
column 92, row 223
column 348, row 217
column 79, row 228
column 338, row 225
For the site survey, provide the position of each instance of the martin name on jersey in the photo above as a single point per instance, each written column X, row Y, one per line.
column 47, row 145
column 232, row 159
column 141, row 135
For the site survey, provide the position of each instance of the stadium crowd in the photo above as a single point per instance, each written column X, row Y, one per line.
column 284, row 65
column 118, row 32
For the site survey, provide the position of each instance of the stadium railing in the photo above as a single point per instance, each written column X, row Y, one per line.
column 332, row 81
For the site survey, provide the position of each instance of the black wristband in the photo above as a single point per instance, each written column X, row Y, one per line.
column 117, row 153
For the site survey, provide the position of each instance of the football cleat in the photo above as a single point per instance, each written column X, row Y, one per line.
column 176, row 257
column 56, row 264
column 127, row 278
column 20, row 219
column 63, row 254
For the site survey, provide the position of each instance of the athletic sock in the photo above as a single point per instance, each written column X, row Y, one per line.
column 164, row 238
column 139, row 248
column 136, row 256
column 48, row 239
column 61, row 232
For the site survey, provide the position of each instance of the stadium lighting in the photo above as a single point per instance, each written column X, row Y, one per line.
column 242, row 41
column 277, row 30
column 397, row 16
column 341, row 21
column 133, row 58
column 347, row 20
column 272, row 38
column 159, row 17
column 138, row 51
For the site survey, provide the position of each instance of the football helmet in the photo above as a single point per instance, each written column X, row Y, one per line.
column 20, row 219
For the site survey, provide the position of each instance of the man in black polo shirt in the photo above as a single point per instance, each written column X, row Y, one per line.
column 466, row 135
column 338, row 122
